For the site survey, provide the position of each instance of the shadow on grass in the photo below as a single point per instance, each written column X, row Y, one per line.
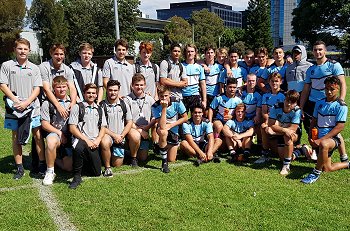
column 7, row 164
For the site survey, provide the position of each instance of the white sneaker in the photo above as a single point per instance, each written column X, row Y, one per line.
column 285, row 170
column 49, row 178
column 263, row 159
column 314, row 155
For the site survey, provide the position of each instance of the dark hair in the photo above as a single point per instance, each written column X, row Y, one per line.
column 332, row 80
column 275, row 48
column 121, row 42
column 173, row 45
column 162, row 88
column 319, row 42
column 248, row 52
column 196, row 105
column 89, row 86
column 292, row 96
column 113, row 82
column 137, row 78
column 231, row 81
column 234, row 50
column 57, row 46
column 262, row 50
column 274, row 74
column 209, row 47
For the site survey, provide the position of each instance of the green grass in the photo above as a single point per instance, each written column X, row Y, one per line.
column 210, row 197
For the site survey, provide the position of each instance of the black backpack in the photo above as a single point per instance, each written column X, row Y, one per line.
column 82, row 113
column 122, row 104
column 154, row 67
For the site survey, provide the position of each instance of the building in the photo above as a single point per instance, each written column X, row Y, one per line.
column 184, row 9
column 281, row 22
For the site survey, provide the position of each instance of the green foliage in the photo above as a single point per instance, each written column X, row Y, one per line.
column 11, row 23
column 321, row 20
column 258, row 33
column 345, row 44
column 47, row 17
column 232, row 36
column 208, row 26
column 177, row 31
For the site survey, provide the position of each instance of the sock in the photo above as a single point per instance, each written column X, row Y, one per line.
column 316, row 172
column 19, row 166
column 51, row 170
column 286, row 161
column 297, row 152
column 164, row 154
column 344, row 158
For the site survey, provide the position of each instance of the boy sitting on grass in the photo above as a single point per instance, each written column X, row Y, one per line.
column 169, row 114
column 238, row 134
column 284, row 120
column 329, row 118
column 199, row 139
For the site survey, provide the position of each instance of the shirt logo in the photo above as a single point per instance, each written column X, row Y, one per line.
column 13, row 72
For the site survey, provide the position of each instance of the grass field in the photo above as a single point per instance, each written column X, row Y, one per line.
column 210, row 197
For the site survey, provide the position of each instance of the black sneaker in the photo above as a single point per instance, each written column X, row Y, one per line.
column 19, row 174
column 165, row 167
column 42, row 170
column 134, row 163
column 216, row 159
column 198, row 162
column 108, row 172
column 75, row 182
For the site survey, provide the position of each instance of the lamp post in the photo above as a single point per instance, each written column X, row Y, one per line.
column 116, row 19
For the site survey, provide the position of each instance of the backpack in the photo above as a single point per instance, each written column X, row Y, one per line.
column 154, row 67
column 82, row 113
column 180, row 66
column 122, row 104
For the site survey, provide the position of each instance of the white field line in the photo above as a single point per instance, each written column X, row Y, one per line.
column 59, row 217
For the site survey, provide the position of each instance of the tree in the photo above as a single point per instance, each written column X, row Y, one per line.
column 177, row 31
column 11, row 23
column 232, row 36
column 316, row 20
column 47, row 18
column 208, row 27
column 258, row 33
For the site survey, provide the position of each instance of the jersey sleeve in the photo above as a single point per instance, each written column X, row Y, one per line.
column 4, row 74
column 45, row 75
column 186, row 129
column 215, row 103
column 45, row 112
column 106, row 70
column 342, row 114
column 337, row 69
column 163, row 69
column 230, row 123
column 128, row 113
column 209, row 128
column 297, row 117
column 74, row 115
column 201, row 75
column 181, row 108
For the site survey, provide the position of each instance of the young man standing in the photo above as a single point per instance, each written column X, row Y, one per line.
column 172, row 73
column 222, row 107
column 199, row 139
column 196, row 91
column 117, row 68
column 86, row 71
column 149, row 70
column 280, row 66
column 238, row 72
column 87, row 123
column 119, row 123
column 261, row 70
column 329, row 119
column 140, row 105
column 58, row 134
column 284, row 120
column 20, row 82
column 248, row 60
column 169, row 114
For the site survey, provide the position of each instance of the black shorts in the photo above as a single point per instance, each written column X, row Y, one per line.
column 337, row 144
column 280, row 139
column 202, row 145
column 172, row 138
column 190, row 101
column 209, row 100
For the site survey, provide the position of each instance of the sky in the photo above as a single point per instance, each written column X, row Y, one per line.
column 150, row 6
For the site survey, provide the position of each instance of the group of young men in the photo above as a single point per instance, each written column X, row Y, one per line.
column 228, row 102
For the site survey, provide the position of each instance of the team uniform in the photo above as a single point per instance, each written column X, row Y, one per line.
column 190, row 94
column 151, row 73
column 141, row 112
column 252, row 102
column 220, row 103
column 238, row 73
column 270, row 99
column 174, row 109
column 21, row 80
column 273, row 68
column 328, row 114
column 260, row 72
column 198, row 132
column 173, row 74
column 240, row 126
column 122, row 71
column 245, row 66
column 48, row 72
column 213, row 80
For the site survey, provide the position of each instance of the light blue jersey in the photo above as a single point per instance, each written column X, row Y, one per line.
column 198, row 132
column 238, row 73
column 316, row 75
column 240, row 127
column 328, row 114
column 292, row 117
column 221, row 102
column 195, row 74
column 270, row 99
column 260, row 72
column 252, row 101
column 173, row 111
column 213, row 79
column 245, row 66
column 280, row 69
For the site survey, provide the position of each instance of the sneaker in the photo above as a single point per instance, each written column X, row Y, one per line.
column 314, row 155
column 134, row 163
column 165, row 167
column 75, row 182
column 262, row 160
column 285, row 170
column 49, row 178
column 19, row 174
column 311, row 178
column 344, row 158
column 216, row 159
column 198, row 162
column 108, row 172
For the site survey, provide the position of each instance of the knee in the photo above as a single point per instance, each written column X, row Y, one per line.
column 162, row 132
